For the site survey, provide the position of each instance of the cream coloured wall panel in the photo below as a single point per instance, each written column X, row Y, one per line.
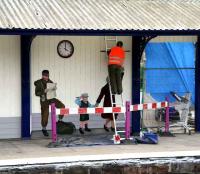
column 10, row 103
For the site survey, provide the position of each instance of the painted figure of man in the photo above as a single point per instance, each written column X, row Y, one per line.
column 115, row 67
column 41, row 91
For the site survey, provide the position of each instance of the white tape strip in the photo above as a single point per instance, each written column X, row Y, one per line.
column 159, row 105
column 73, row 111
column 149, row 106
column 140, row 107
column 91, row 110
column 108, row 110
column 131, row 108
column 57, row 111
column 123, row 109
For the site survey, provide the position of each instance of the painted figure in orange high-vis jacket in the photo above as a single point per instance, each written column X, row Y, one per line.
column 115, row 67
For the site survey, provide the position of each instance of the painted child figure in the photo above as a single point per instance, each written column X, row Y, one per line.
column 83, row 102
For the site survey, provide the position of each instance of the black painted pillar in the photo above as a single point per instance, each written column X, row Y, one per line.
column 197, row 86
column 136, row 57
column 25, row 42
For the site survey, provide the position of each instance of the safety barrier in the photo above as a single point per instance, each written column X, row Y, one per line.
column 99, row 110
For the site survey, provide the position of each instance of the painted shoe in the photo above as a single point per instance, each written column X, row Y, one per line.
column 87, row 129
column 45, row 133
column 81, row 131
column 106, row 128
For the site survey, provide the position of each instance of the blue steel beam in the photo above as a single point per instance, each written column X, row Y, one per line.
column 89, row 32
column 25, row 43
column 197, row 86
column 136, row 57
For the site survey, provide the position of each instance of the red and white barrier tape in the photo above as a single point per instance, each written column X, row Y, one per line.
column 146, row 106
column 100, row 110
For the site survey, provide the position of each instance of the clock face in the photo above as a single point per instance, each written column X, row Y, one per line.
column 65, row 49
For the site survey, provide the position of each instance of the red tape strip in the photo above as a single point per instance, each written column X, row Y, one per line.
column 163, row 104
column 154, row 105
column 82, row 110
column 99, row 110
column 116, row 109
column 64, row 111
column 145, row 106
column 135, row 107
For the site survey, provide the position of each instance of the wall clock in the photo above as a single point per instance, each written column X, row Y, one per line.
column 65, row 49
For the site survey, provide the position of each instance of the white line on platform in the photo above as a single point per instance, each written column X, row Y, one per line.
column 86, row 158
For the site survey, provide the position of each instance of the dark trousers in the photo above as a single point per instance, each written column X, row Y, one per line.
column 45, row 110
column 115, row 74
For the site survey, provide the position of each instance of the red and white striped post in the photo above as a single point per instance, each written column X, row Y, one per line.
column 53, row 123
column 127, row 122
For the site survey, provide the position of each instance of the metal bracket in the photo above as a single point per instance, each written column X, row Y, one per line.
column 143, row 43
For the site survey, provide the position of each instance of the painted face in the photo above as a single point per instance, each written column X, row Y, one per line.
column 85, row 99
column 45, row 77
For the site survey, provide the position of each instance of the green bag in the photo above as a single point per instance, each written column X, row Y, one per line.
column 65, row 127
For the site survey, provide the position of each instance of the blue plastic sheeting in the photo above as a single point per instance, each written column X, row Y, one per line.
column 170, row 67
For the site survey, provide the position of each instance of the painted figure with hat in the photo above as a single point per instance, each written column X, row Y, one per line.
column 83, row 102
column 41, row 91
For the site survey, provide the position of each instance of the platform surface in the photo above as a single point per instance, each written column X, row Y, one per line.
column 14, row 152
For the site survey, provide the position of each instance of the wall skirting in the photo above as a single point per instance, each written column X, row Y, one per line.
column 10, row 127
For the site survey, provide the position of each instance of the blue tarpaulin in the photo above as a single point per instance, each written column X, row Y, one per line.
column 170, row 67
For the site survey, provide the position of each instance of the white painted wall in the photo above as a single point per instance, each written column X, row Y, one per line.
column 10, row 87
column 85, row 71
column 10, row 102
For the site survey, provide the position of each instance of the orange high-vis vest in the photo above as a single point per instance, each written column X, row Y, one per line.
column 116, row 56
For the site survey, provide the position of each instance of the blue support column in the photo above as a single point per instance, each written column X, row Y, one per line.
column 197, row 86
column 136, row 56
column 25, row 42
